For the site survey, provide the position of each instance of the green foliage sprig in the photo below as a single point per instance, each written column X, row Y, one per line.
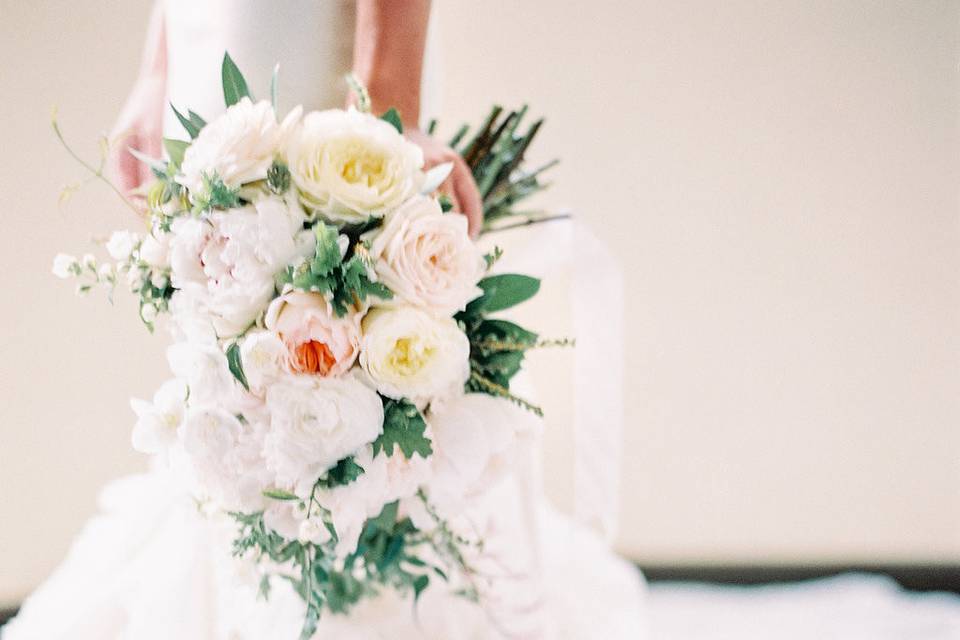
column 344, row 279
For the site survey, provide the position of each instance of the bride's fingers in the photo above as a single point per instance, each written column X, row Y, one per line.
column 468, row 197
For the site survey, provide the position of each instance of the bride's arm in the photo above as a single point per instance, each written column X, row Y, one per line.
column 388, row 59
column 140, row 123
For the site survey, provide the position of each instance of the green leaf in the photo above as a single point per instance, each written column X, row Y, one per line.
column 502, row 292
column 175, row 149
column 189, row 126
column 403, row 426
column 446, row 204
column 234, row 86
column 386, row 519
column 327, row 256
column 342, row 473
column 393, row 117
column 279, row 494
column 310, row 622
column 192, row 123
column 236, row 365
column 420, row 583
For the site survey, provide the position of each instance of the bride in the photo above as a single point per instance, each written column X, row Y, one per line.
column 153, row 566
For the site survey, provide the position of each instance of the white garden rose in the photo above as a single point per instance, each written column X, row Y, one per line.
column 238, row 147
column 315, row 422
column 409, row 353
column 426, row 257
column 349, row 166
column 203, row 366
column 121, row 244
column 264, row 357
column 158, row 421
column 227, row 261
column 317, row 341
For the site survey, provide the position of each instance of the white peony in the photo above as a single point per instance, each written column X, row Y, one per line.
column 475, row 440
column 426, row 257
column 239, row 146
column 121, row 244
column 315, row 422
column 227, row 261
column 158, row 421
column 224, row 457
column 349, row 166
column 349, row 506
column 409, row 353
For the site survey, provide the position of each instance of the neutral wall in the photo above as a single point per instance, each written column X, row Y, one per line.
column 778, row 179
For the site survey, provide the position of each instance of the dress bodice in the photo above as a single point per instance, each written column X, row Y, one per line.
column 311, row 40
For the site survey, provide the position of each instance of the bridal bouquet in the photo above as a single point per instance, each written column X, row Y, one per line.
column 337, row 374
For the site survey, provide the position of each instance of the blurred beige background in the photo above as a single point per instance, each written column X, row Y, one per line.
column 778, row 179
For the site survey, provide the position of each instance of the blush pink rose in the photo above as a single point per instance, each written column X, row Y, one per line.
column 317, row 341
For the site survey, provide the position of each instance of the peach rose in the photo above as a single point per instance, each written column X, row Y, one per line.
column 318, row 342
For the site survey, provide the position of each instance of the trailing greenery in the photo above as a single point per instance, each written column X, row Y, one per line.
column 390, row 553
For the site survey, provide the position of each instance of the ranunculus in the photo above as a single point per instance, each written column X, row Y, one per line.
column 121, row 244
column 317, row 340
column 409, row 353
column 314, row 422
column 349, row 166
column 239, row 146
column 426, row 257
column 158, row 421
column 227, row 262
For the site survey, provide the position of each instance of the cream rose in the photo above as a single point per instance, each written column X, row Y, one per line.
column 349, row 166
column 318, row 342
column 239, row 146
column 426, row 257
column 409, row 353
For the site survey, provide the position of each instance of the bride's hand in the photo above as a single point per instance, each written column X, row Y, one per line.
column 140, row 124
column 459, row 186
column 140, row 127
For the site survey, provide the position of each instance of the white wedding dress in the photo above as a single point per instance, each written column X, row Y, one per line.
column 152, row 567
